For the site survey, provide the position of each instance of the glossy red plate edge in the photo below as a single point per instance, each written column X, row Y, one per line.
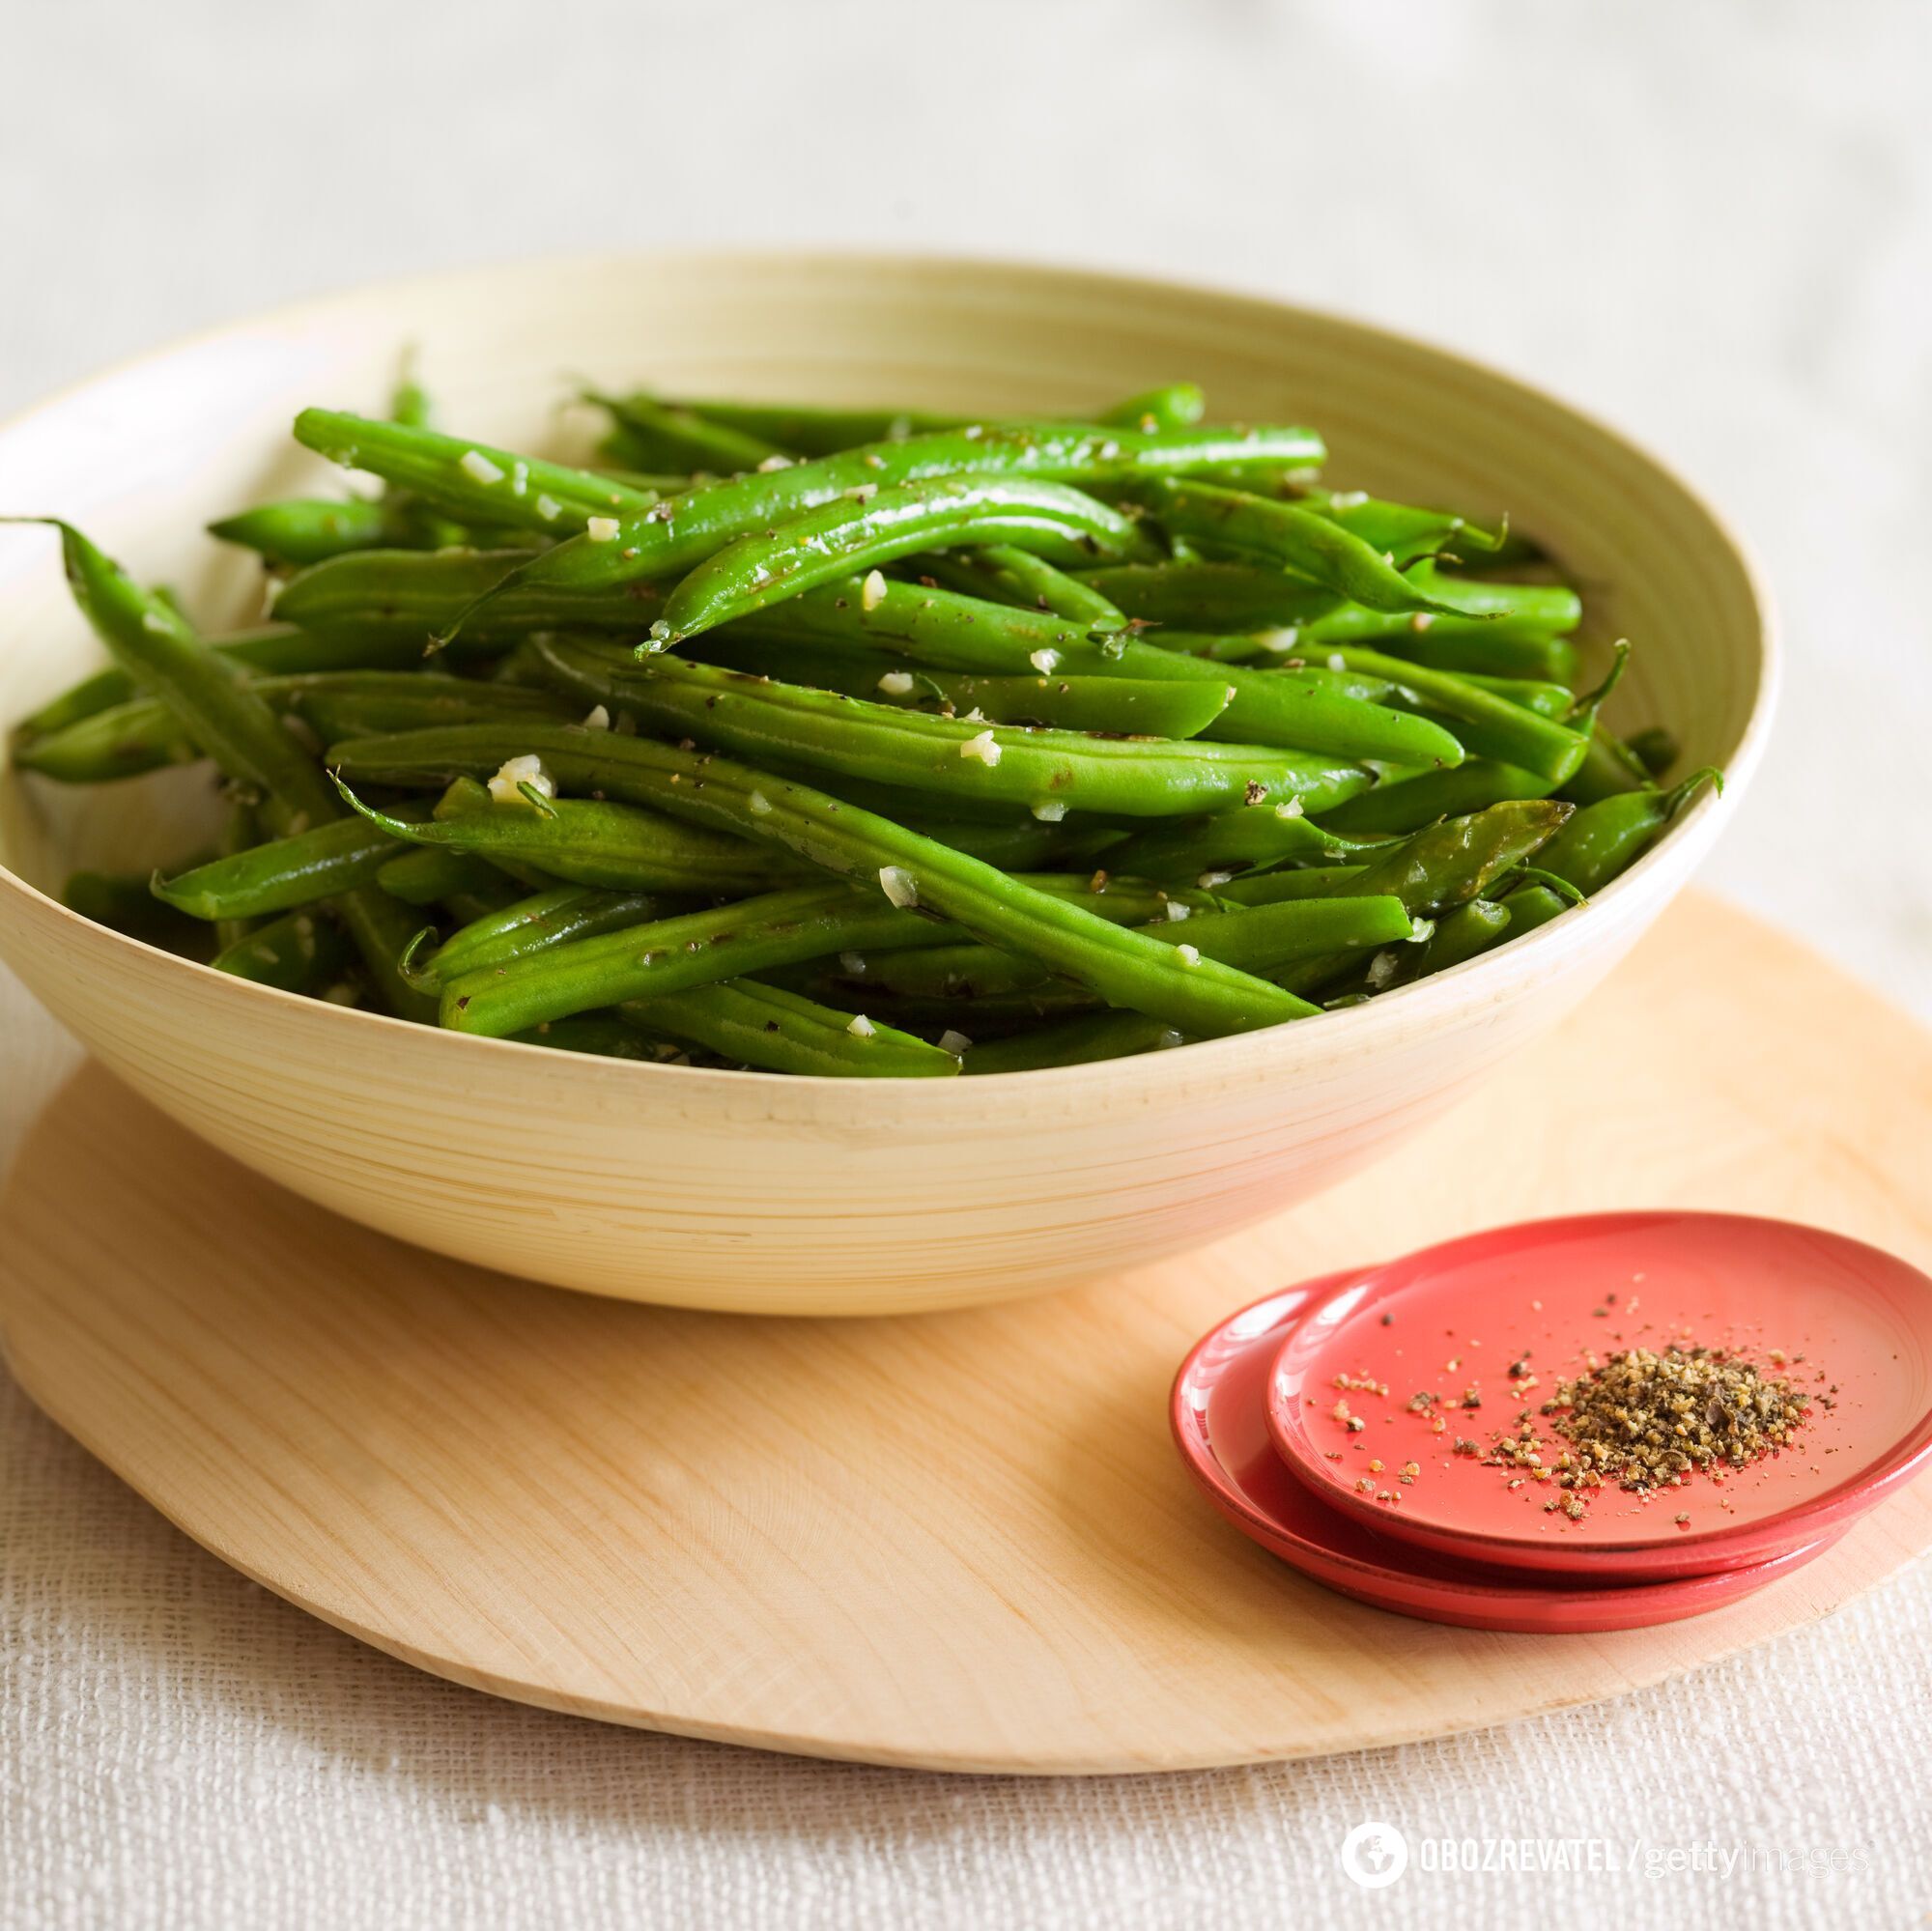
column 1736, row 1547
column 1505, row 1603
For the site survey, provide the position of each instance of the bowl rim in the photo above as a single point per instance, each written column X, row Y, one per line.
column 1154, row 1072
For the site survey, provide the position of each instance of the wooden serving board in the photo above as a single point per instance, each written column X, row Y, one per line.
column 959, row 1541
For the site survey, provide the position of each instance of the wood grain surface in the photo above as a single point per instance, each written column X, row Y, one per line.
column 959, row 1540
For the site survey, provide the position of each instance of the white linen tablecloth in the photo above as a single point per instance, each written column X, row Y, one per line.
column 1711, row 223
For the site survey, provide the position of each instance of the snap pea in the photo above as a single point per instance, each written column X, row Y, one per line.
column 1605, row 839
column 300, row 951
column 474, row 482
column 588, row 842
column 778, row 1031
column 1314, row 547
column 282, row 874
column 209, row 693
column 680, row 532
column 795, row 727
column 555, row 917
column 818, row 545
column 1124, row 968
column 951, row 631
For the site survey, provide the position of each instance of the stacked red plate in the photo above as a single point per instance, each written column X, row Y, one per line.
column 1414, row 1433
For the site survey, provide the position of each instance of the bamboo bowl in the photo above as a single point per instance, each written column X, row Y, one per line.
column 753, row 1192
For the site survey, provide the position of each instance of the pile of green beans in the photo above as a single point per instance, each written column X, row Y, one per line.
column 859, row 742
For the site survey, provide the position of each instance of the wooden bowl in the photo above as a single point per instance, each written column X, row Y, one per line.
column 747, row 1191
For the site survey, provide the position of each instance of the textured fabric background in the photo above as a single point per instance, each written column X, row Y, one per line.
column 1710, row 223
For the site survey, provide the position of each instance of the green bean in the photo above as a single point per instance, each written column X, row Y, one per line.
column 123, row 741
column 1470, row 646
column 1169, row 406
column 586, row 841
column 300, row 951
column 1400, row 531
column 1134, row 706
column 1411, row 803
column 667, row 955
column 239, row 832
column 1605, row 839
column 1442, row 867
column 1217, row 597
column 1124, row 968
column 209, row 693
column 768, row 1026
column 1457, row 600
column 837, row 538
column 143, row 734
column 472, row 480
column 816, row 431
column 1095, row 1035
column 282, row 874
column 681, row 533
column 1312, row 545
column 1459, row 936
column 1003, row 574
column 557, row 917
column 670, row 436
column 955, row 633
column 1020, row 843
column 1272, row 888
column 809, row 430
column 795, row 727
column 305, row 529
column 1656, row 749
column 1609, row 767
column 1488, row 725
column 1247, row 836
column 396, row 599
column 123, row 903
column 429, row 875
column 1256, row 940
column 1531, row 906
column 269, row 650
